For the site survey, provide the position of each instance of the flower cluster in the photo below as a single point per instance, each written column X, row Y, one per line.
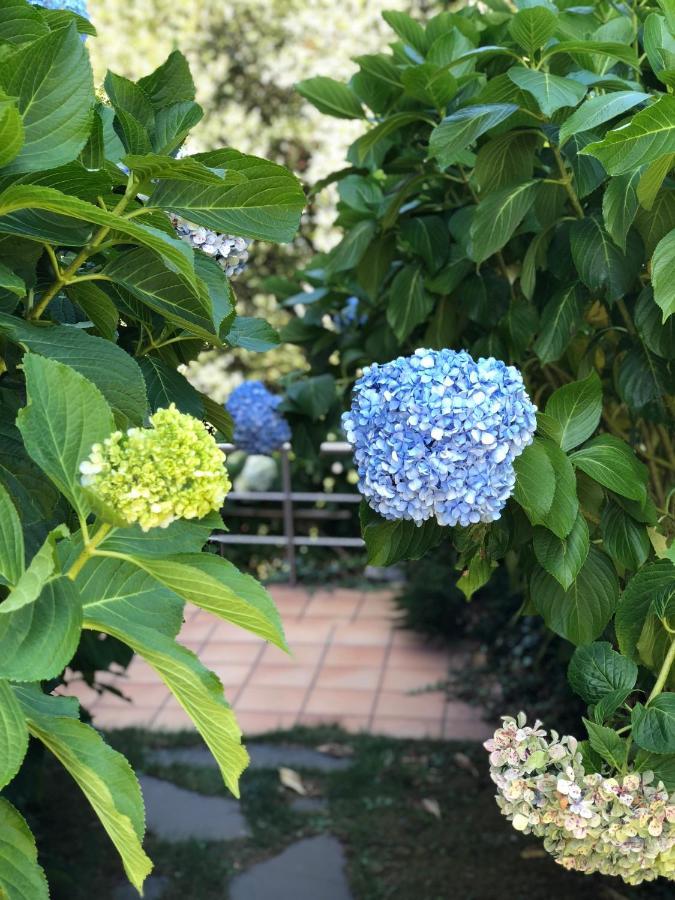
column 75, row 6
column 153, row 476
column 229, row 251
column 436, row 434
column 589, row 823
column 258, row 426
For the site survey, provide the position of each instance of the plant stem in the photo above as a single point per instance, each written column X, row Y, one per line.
column 663, row 674
column 88, row 250
column 88, row 550
column 567, row 183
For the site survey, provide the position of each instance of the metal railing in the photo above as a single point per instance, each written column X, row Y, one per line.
column 288, row 498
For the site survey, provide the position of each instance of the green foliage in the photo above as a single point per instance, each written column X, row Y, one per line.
column 525, row 209
column 100, row 301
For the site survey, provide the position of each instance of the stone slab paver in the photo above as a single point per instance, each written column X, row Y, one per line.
column 174, row 814
column 311, row 869
column 263, row 756
column 351, row 665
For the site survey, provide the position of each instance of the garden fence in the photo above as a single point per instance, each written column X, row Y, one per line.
column 288, row 498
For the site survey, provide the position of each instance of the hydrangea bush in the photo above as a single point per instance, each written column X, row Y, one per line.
column 259, row 427
column 111, row 480
column 510, row 205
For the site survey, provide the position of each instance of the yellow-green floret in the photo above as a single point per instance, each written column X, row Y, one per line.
column 153, row 476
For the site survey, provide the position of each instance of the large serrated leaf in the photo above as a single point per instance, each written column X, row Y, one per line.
column 21, row 878
column 649, row 135
column 13, row 737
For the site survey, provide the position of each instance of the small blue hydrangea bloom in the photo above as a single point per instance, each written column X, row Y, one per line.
column 348, row 315
column 436, row 434
column 258, row 427
column 75, row 6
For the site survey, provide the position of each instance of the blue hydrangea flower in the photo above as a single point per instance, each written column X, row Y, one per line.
column 229, row 251
column 75, row 6
column 436, row 434
column 348, row 315
column 258, row 426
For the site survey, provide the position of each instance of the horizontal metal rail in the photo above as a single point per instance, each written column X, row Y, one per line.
column 288, row 497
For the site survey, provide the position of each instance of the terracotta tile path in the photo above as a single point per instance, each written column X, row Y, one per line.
column 351, row 665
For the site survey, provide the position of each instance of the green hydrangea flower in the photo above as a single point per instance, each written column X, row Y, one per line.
column 153, row 476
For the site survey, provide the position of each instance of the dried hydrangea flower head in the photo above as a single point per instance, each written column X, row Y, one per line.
column 153, row 476
column 621, row 826
column 258, row 426
column 228, row 250
column 436, row 434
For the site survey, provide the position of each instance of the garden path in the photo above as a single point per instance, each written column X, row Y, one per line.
column 351, row 665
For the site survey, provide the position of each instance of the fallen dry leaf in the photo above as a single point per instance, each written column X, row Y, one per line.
column 333, row 749
column 291, row 780
column 432, row 806
column 533, row 853
column 464, row 762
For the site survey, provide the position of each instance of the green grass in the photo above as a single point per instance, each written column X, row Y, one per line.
column 395, row 847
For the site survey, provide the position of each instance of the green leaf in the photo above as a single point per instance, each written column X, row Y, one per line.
column 127, row 96
column 170, row 83
column 652, row 179
column 21, row 878
column 597, row 670
column 600, row 263
column 13, row 739
column 181, row 536
column 11, row 134
column 598, row 110
column 562, row 515
column 550, row 91
column 390, row 542
column 636, row 600
column 610, row 49
column 173, row 123
column 38, row 639
column 478, row 573
column 611, row 462
column 114, row 372
column 649, row 135
column 535, row 481
column 409, row 303
column 430, row 84
column 505, row 159
column 559, row 322
column 428, row 238
column 20, row 23
column 53, row 83
column 267, row 206
column 662, row 269
column 459, row 130
column 166, row 385
column 562, row 557
column 251, row 333
column 168, row 293
column 661, row 764
column 619, row 206
column 625, row 540
column 658, row 338
column 351, row 248
column 97, row 305
column 331, row 97
column 410, row 31
column 104, row 776
column 215, row 585
column 577, row 408
column 369, row 142
column 608, row 744
column 580, row 613
column 64, row 417
column 312, row 396
column 17, row 201
column 654, row 724
column 199, row 692
column 532, row 27
column 498, row 216
column 11, row 540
